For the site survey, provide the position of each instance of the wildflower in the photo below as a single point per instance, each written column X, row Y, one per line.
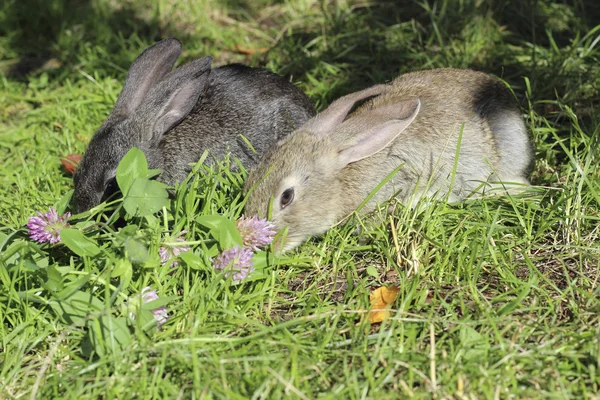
column 236, row 262
column 160, row 313
column 47, row 227
column 256, row 233
column 168, row 252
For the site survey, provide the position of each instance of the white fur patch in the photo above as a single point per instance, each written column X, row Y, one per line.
column 514, row 146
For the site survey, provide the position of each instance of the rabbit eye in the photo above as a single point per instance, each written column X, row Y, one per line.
column 110, row 188
column 286, row 197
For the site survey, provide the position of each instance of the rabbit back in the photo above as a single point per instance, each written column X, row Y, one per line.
column 456, row 105
column 240, row 105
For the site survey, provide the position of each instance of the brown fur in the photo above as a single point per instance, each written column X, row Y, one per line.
column 495, row 147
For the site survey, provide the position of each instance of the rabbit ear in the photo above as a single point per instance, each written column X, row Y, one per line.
column 172, row 99
column 383, row 124
column 145, row 72
column 334, row 115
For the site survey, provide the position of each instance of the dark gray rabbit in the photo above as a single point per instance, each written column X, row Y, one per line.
column 174, row 116
column 321, row 173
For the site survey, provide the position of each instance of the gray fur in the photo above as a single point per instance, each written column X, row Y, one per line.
column 175, row 116
column 413, row 124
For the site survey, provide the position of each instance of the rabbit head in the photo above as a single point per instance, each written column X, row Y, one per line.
column 152, row 101
column 302, row 180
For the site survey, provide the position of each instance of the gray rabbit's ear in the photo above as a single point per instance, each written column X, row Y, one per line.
column 334, row 115
column 382, row 125
column 172, row 99
column 145, row 72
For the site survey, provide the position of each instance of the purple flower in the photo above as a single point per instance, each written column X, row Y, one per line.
column 160, row 313
column 236, row 262
column 168, row 252
column 256, row 233
column 47, row 227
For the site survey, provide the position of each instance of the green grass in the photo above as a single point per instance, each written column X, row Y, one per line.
column 499, row 297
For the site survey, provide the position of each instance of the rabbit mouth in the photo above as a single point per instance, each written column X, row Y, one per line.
column 288, row 242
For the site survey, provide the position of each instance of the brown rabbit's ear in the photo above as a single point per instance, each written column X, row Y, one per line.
column 385, row 124
column 334, row 115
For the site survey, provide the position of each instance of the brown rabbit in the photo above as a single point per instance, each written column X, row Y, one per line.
column 410, row 134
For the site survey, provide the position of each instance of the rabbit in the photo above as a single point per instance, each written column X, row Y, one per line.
column 174, row 116
column 408, row 131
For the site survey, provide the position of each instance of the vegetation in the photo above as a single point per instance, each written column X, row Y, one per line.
column 498, row 297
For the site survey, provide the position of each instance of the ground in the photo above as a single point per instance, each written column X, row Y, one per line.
column 499, row 297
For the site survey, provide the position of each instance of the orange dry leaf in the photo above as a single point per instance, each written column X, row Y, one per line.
column 70, row 162
column 381, row 300
column 249, row 51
